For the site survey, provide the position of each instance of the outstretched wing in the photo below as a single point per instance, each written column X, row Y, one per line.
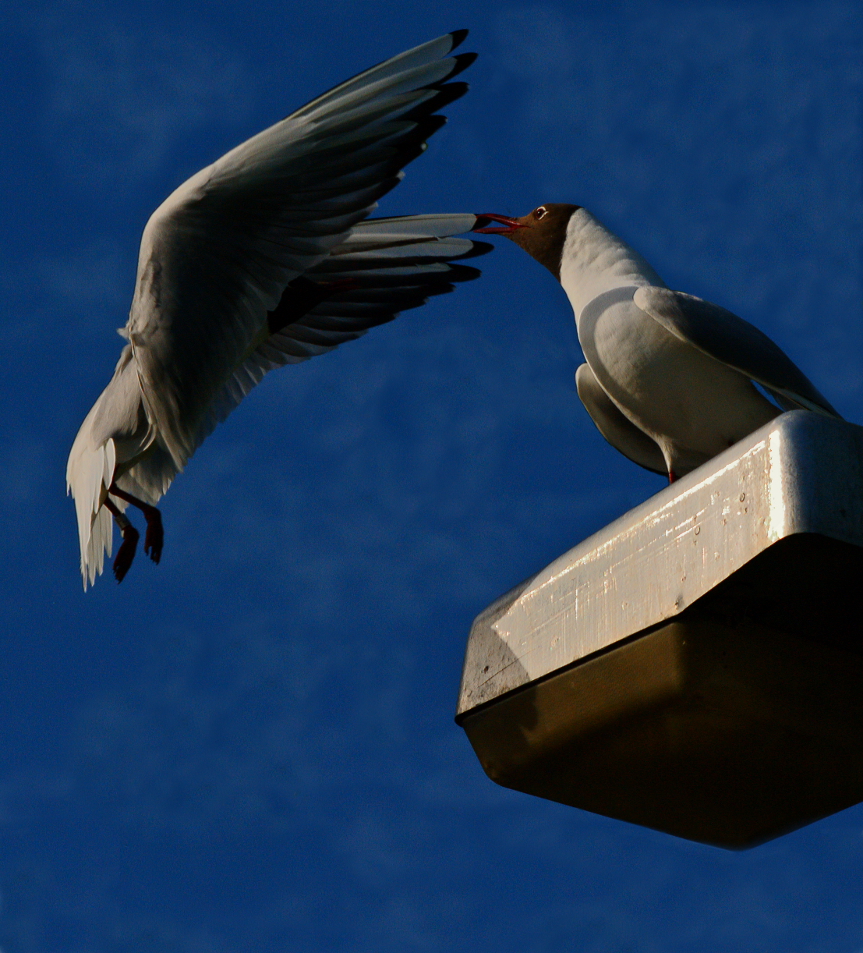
column 217, row 255
column 733, row 341
column 384, row 266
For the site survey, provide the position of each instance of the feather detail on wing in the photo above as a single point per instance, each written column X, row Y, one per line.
column 383, row 267
column 733, row 341
column 218, row 254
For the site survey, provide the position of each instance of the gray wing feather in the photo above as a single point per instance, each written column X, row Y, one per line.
column 733, row 341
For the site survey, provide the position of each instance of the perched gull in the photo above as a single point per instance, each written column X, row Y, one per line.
column 669, row 379
column 265, row 258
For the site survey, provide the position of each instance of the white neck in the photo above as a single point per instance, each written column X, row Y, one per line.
column 594, row 260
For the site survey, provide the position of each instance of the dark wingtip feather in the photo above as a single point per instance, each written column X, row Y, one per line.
column 426, row 127
column 461, row 63
column 479, row 248
column 463, row 273
column 447, row 94
column 458, row 38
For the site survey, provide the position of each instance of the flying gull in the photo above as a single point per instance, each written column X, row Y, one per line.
column 265, row 258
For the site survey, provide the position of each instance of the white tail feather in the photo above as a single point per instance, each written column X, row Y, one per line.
column 89, row 473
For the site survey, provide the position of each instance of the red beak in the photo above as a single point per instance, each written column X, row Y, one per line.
column 482, row 224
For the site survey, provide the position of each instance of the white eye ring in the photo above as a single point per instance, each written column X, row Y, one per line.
column 541, row 212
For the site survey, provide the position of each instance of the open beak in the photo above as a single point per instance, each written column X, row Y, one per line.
column 482, row 224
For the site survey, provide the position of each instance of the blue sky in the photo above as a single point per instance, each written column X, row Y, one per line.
column 251, row 746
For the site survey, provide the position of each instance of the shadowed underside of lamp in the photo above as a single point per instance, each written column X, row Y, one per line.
column 696, row 666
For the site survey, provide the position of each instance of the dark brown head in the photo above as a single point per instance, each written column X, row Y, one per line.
column 541, row 233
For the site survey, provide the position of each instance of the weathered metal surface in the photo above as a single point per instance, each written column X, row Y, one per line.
column 694, row 666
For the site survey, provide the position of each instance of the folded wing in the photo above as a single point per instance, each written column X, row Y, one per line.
column 733, row 341
column 617, row 429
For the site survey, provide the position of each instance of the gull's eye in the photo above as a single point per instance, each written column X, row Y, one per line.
column 540, row 212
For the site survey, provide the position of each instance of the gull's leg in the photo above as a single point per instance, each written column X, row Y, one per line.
column 154, row 536
column 126, row 552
